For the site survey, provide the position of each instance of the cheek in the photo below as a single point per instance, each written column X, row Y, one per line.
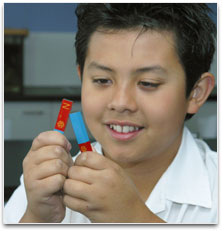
column 92, row 105
column 88, row 103
column 169, row 107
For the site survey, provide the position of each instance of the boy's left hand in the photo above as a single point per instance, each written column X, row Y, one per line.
column 101, row 190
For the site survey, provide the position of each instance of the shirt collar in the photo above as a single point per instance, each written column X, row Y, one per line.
column 185, row 180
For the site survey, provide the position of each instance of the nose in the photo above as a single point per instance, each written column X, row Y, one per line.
column 123, row 100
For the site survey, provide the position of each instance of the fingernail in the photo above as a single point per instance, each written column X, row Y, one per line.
column 69, row 146
column 83, row 156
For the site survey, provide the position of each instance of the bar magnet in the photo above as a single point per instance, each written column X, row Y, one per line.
column 63, row 116
column 80, row 131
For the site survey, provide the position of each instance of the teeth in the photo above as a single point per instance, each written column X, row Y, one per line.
column 126, row 129
column 131, row 128
column 118, row 128
column 123, row 129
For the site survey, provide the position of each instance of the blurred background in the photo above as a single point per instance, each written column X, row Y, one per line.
column 40, row 70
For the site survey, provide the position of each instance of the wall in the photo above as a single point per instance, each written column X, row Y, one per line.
column 39, row 17
column 49, row 17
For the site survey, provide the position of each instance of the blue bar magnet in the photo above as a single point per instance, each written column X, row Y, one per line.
column 79, row 127
column 58, row 131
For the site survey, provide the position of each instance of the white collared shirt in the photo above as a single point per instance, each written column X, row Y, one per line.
column 187, row 193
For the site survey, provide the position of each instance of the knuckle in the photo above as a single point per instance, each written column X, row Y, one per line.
column 58, row 151
column 63, row 141
column 39, row 138
column 58, row 164
column 25, row 162
column 82, row 158
column 60, row 167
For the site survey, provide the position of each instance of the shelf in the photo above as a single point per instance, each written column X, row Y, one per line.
column 16, row 32
column 46, row 94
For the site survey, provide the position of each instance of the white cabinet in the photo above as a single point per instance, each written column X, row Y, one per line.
column 25, row 120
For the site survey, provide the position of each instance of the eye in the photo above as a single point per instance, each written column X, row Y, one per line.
column 102, row 81
column 148, row 85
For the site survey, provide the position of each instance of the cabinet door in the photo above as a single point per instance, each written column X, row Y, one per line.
column 204, row 123
column 50, row 60
column 25, row 120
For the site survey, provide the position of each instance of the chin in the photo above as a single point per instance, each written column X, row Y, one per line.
column 122, row 157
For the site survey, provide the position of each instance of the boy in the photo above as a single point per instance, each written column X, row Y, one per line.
column 144, row 70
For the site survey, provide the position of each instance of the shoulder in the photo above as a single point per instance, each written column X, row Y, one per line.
column 209, row 157
column 16, row 206
column 210, row 160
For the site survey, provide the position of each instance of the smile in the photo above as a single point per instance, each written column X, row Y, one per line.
column 123, row 129
column 124, row 132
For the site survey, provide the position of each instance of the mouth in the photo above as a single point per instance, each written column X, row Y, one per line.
column 124, row 131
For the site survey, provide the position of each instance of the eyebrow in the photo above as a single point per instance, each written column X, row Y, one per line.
column 154, row 68
column 94, row 65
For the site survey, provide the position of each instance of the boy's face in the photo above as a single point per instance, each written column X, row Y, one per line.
column 133, row 95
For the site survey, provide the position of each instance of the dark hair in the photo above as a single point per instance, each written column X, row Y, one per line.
column 191, row 24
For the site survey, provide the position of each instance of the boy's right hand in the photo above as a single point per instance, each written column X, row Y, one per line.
column 45, row 169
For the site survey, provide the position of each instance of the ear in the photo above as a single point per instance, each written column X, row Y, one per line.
column 200, row 92
column 79, row 72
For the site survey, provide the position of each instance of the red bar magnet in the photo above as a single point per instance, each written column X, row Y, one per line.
column 63, row 115
column 85, row 147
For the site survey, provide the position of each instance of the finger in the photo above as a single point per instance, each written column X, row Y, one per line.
column 75, row 204
column 50, row 138
column 49, row 168
column 95, row 161
column 76, row 189
column 51, row 184
column 84, row 174
column 94, row 150
column 35, row 158
column 51, row 152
